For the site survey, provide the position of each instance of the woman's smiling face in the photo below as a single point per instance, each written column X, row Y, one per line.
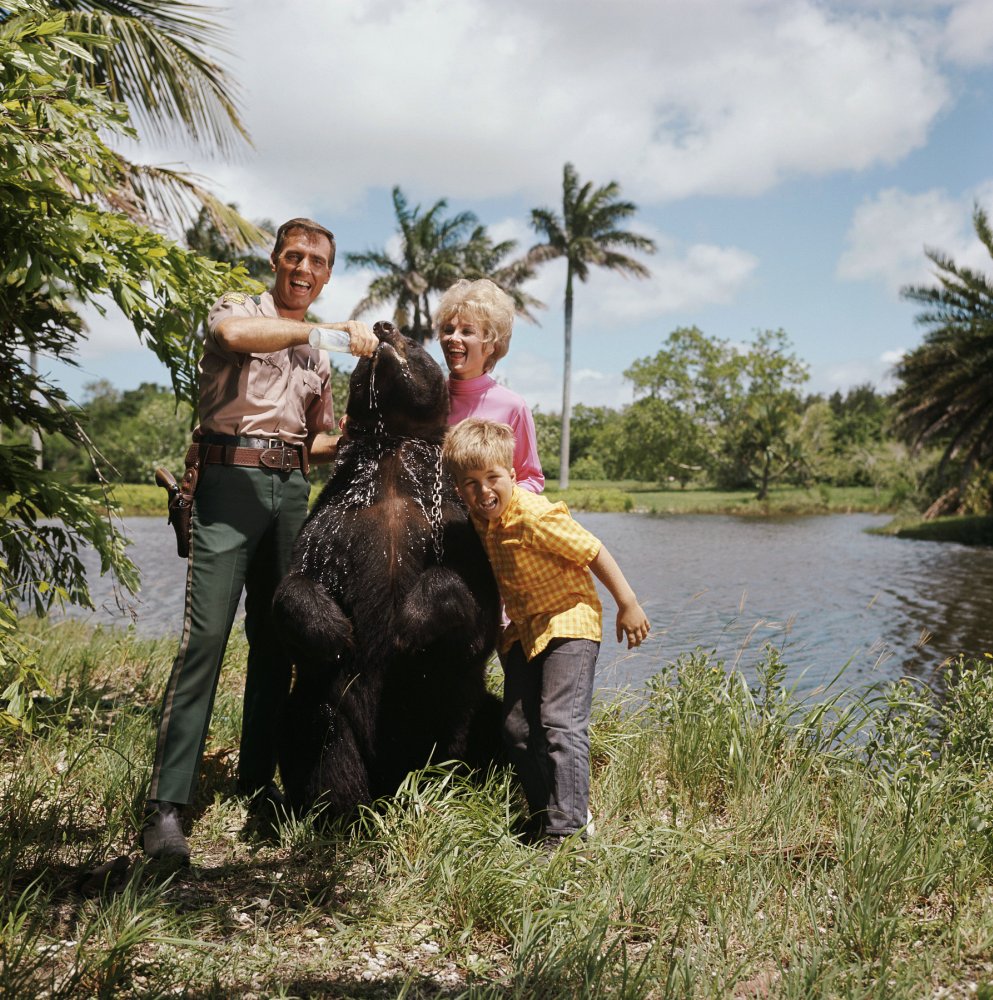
column 464, row 348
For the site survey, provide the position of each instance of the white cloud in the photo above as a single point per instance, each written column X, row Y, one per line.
column 842, row 376
column 889, row 233
column 968, row 36
column 681, row 279
column 471, row 99
column 539, row 381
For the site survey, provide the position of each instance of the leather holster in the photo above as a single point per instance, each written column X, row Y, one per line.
column 181, row 499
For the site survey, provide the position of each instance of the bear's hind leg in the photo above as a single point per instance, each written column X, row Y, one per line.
column 320, row 761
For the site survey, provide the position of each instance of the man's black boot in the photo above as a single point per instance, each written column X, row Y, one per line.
column 162, row 832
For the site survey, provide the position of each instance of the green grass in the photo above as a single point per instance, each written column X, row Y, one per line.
column 141, row 500
column 138, row 499
column 649, row 497
column 968, row 530
column 749, row 843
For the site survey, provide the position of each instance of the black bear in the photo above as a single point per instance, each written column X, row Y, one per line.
column 390, row 606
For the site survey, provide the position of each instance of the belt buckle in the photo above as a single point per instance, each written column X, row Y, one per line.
column 278, row 456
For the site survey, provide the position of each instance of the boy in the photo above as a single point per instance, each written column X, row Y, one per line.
column 542, row 560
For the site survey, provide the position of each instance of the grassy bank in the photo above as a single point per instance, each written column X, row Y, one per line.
column 139, row 499
column 649, row 498
column 973, row 530
column 747, row 845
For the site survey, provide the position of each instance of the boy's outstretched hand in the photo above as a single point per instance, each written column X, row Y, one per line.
column 632, row 622
column 631, row 619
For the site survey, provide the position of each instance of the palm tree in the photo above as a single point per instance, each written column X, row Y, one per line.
column 585, row 234
column 162, row 69
column 434, row 253
column 486, row 259
column 946, row 385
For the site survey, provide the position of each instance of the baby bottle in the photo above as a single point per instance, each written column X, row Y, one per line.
column 330, row 340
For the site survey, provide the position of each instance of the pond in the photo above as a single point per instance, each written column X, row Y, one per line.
column 823, row 591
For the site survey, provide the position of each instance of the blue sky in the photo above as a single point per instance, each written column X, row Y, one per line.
column 791, row 158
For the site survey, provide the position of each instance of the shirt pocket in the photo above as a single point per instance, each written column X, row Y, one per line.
column 308, row 383
column 265, row 376
column 535, row 571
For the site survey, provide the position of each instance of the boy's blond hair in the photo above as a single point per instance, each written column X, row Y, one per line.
column 478, row 444
column 486, row 306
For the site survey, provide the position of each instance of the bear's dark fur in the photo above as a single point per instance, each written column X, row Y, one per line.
column 390, row 607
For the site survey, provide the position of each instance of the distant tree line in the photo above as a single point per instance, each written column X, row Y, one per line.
column 707, row 414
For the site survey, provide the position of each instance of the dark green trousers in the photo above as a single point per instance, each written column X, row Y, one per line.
column 244, row 524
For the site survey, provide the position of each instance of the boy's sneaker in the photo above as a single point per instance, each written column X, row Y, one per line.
column 575, row 845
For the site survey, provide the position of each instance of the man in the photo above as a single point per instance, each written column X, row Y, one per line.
column 265, row 410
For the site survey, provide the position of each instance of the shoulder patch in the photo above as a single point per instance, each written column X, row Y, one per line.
column 235, row 298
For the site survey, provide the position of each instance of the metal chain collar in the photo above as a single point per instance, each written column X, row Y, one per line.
column 436, row 533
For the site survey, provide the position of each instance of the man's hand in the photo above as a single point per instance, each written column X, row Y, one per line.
column 322, row 447
column 363, row 342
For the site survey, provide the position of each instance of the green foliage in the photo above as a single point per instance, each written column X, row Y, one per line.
column 133, row 431
column 548, row 430
column 587, row 467
column 607, row 500
column 160, row 60
column 20, row 674
column 904, row 740
column 710, row 406
column 967, row 711
column 653, row 441
column 945, row 391
column 208, row 239
column 59, row 246
column 750, row 841
column 977, row 496
column 860, row 417
column 965, row 530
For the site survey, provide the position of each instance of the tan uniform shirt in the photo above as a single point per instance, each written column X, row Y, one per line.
column 285, row 394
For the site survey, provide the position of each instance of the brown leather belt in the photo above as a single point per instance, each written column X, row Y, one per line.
column 281, row 458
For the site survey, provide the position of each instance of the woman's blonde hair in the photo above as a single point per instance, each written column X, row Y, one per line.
column 485, row 305
column 475, row 443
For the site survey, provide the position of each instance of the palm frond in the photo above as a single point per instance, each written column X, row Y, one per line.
column 166, row 198
column 945, row 390
column 161, row 68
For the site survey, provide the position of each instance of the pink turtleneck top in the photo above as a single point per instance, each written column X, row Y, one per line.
column 484, row 397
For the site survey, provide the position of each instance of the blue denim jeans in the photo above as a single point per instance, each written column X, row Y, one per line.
column 546, row 727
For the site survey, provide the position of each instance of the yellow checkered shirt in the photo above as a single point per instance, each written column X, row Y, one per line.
column 540, row 558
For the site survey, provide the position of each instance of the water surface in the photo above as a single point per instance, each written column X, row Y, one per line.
column 821, row 589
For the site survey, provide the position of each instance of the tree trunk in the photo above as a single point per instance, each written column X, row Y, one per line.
column 948, row 503
column 35, row 433
column 763, row 493
column 566, row 383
